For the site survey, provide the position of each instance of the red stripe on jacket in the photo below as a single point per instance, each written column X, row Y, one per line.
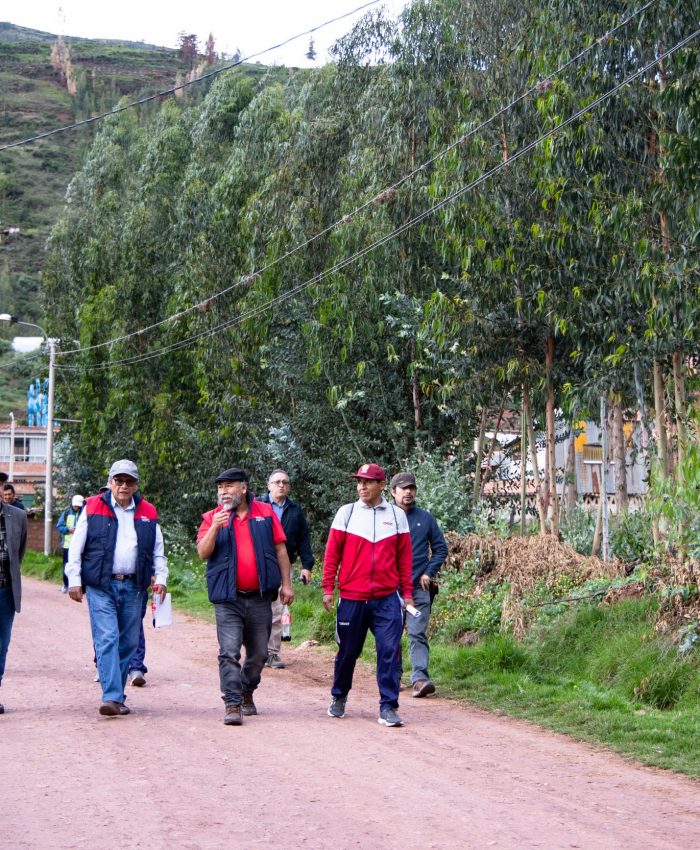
column 369, row 552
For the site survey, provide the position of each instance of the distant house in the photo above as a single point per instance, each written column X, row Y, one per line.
column 29, row 462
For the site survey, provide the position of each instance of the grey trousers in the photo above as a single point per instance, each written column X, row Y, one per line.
column 417, row 637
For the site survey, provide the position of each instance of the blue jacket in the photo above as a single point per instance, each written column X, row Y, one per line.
column 222, row 564
column 297, row 531
column 425, row 537
column 98, row 553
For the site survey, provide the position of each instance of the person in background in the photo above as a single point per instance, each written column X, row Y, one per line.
column 10, row 497
column 13, row 544
column 429, row 553
column 65, row 527
column 296, row 530
column 369, row 554
column 242, row 541
column 116, row 550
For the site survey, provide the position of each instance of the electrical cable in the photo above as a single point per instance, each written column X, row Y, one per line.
column 401, row 228
column 166, row 92
column 460, row 141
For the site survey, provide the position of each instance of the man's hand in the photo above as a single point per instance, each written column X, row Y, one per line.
column 328, row 602
column 286, row 594
column 425, row 581
column 408, row 600
column 159, row 590
column 305, row 576
column 76, row 593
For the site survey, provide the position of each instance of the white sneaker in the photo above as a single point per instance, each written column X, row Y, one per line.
column 138, row 679
column 96, row 677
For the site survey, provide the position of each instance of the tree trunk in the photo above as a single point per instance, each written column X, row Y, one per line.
column 680, row 401
column 479, row 457
column 533, row 460
column 415, row 389
column 619, row 460
column 523, row 470
column 551, row 439
column 570, row 476
column 660, row 419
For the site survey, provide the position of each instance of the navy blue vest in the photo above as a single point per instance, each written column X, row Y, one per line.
column 98, row 553
column 222, row 565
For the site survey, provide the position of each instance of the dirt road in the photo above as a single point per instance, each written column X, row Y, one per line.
column 171, row 776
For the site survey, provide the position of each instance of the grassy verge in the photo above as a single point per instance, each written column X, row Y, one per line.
column 597, row 673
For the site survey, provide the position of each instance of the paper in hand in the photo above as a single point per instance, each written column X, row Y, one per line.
column 163, row 612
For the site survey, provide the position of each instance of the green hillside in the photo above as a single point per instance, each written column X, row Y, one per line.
column 34, row 98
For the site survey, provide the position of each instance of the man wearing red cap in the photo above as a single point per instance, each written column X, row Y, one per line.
column 369, row 554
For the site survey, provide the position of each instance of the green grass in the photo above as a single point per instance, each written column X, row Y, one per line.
column 598, row 673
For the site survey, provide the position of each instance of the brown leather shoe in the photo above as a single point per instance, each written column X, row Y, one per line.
column 248, row 706
column 109, row 708
column 233, row 715
column 123, row 709
column 422, row 688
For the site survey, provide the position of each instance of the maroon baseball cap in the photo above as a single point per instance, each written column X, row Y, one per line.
column 372, row 471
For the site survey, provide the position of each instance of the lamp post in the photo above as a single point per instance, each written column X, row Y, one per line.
column 48, row 496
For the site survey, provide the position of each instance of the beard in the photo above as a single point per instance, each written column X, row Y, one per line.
column 230, row 503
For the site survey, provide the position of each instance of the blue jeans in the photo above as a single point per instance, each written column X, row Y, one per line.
column 7, row 616
column 138, row 661
column 115, row 614
column 384, row 619
column 245, row 622
column 417, row 638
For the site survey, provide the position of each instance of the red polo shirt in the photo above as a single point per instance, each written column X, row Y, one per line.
column 247, row 571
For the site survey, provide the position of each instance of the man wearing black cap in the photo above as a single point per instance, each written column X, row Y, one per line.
column 429, row 554
column 247, row 566
column 369, row 553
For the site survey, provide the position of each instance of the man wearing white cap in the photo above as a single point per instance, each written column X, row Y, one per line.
column 65, row 527
column 117, row 548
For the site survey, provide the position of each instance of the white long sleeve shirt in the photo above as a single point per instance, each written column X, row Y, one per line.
column 125, row 549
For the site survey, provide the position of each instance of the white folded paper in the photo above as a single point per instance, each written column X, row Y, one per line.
column 162, row 611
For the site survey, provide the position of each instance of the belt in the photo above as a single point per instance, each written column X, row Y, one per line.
column 123, row 576
column 247, row 593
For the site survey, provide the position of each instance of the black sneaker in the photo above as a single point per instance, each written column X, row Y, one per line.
column 389, row 717
column 274, row 661
column 337, row 707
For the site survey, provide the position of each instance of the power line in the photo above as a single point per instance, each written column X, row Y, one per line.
column 403, row 227
column 389, row 189
column 166, row 92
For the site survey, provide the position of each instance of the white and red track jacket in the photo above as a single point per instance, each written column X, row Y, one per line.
column 369, row 551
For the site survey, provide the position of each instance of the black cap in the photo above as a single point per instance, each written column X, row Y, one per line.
column 233, row 474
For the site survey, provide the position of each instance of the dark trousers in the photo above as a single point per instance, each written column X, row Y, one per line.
column 65, row 561
column 7, row 616
column 245, row 622
column 384, row 619
column 138, row 659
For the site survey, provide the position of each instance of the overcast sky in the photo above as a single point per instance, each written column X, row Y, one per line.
column 246, row 25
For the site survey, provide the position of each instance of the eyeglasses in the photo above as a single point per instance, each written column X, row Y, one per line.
column 281, row 482
column 125, row 482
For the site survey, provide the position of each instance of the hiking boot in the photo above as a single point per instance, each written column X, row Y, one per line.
column 138, row 678
column 389, row 717
column 273, row 660
column 422, row 688
column 248, row 706
column 337, row 707
column 233, row 715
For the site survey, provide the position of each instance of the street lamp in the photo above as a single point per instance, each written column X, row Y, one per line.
column 48, row 497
